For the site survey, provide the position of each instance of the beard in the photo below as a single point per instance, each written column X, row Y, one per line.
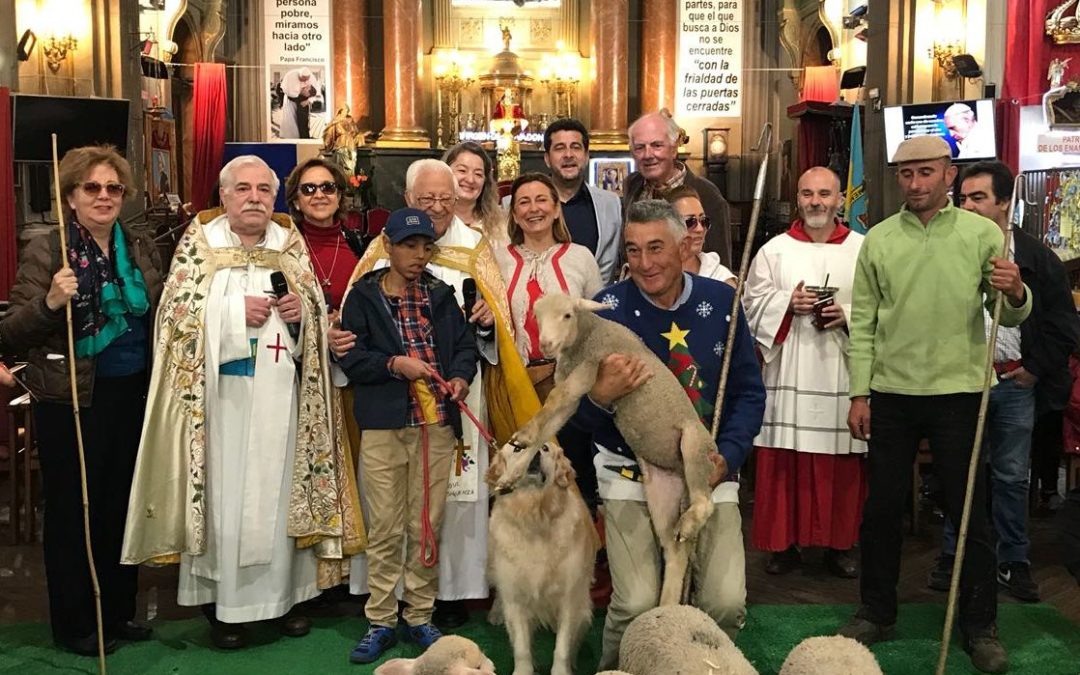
column 818, row 220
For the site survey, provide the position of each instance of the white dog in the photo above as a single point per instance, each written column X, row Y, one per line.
column 541, row 548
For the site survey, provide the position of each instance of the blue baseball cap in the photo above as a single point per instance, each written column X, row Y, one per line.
column 405, row 223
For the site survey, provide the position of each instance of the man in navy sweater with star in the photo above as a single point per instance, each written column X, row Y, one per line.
column 683, row 319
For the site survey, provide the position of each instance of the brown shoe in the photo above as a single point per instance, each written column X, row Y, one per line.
column 867, row 632
column 784, row 561
column 295, row 626
column 987, row 654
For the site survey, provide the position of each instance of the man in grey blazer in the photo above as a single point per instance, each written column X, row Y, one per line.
column 594, row 216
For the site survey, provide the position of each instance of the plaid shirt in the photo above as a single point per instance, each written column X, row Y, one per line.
column 418, row 337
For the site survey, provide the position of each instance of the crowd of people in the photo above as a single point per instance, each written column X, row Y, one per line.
column 291, row 419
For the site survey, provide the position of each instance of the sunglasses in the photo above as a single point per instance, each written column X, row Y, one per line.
column 91, row 187
column 327, row 188
column 693, row 221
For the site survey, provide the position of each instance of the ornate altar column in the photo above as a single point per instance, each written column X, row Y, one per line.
column 610, row 49
column 350, row 59
column 401, row 24
column 658, row 51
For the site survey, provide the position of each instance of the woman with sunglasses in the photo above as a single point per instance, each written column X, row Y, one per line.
column 113, row 283
column 478, row 194
column 688, row 203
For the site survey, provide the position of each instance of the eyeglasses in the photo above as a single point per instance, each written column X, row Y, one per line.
column 327, row 188
column 693, row 221
column 93, row 188
column 428, row 201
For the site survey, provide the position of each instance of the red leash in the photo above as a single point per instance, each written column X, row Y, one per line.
column 429, row 545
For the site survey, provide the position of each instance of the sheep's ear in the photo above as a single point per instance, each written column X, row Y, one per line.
column 590, row 305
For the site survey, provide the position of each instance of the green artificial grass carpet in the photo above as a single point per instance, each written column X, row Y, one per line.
column 1039, row 640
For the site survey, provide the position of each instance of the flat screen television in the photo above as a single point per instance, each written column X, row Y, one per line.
column 967, row 126
column 76, row 121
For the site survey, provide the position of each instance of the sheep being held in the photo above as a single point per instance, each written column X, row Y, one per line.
column 657, row 420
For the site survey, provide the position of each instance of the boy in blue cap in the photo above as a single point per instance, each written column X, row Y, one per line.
column 408, row 328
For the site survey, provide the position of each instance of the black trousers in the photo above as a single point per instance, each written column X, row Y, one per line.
column 1047, row 445
column 897, row 423
column 577, row 445
column 111, row 428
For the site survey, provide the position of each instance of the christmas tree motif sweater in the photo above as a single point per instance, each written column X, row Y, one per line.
column 689, row 338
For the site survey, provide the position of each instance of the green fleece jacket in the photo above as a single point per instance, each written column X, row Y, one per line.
column 917, row 324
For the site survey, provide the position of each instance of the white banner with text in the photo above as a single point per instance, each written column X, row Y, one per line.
column 708, row 81
column 298, row 36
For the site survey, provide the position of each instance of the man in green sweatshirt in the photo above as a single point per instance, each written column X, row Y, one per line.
column 917, row 354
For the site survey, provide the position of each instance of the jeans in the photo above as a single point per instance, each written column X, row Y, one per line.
column 1010, row 418
column 897, row 424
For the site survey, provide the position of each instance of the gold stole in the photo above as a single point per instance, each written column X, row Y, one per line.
column 511, row 399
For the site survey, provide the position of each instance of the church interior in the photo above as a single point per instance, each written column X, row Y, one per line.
column 181, row 87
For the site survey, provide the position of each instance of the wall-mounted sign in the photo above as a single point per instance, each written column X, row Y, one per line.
column 708, row 81
column 298, row 43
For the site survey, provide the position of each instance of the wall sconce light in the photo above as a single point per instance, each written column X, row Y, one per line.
column 943, row 54
column 26, row 45
column 716, row 145
column 56, row 50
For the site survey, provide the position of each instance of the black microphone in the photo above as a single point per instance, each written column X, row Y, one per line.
column 281, row 289
column 468, row 292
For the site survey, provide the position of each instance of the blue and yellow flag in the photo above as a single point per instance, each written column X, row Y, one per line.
column 855, row 199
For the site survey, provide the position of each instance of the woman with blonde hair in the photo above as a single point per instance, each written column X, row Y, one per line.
column 478, row 194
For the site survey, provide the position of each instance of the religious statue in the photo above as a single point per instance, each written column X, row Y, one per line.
column 506, row 109
column 506, row 36
column 341, row 138
column 1056, row 73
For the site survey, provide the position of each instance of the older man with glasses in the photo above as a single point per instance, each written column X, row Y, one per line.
column 463, row 253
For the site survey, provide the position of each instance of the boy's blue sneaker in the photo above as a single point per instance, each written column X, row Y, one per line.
column 424, row 635
column 373, row 645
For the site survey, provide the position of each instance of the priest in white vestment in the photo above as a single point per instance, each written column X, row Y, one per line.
column 228, row 490
column 810, row 482
column 462, row 253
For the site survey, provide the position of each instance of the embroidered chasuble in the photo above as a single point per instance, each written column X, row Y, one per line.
column 226, row 398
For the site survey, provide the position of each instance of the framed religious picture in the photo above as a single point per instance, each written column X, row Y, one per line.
column 609, row 173
column 161, row 175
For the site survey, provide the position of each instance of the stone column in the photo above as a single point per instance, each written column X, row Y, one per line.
column 9, row 40
column 610, row 49
column 350, row 60
column 402, row 35
column 659, row 43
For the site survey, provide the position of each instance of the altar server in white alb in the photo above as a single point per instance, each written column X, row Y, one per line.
column 502, row 397
column 238, row 477
column 811, row 481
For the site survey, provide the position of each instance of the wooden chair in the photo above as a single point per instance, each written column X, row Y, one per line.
column 22, row 464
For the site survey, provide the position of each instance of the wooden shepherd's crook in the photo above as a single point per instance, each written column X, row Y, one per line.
column 976, row 448
column 764, row 141
column 75, row 413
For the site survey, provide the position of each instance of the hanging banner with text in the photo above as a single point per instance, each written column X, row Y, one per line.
column 298, row 71
column 709, row 78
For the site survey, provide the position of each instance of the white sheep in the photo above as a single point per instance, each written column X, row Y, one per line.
column 449, row 655
column 657, row 420
column 830, row 655
column 679, row 640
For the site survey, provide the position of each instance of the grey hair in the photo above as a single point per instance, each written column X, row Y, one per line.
column 673, row 130
column 421, row 165
column 958, row 109
column 227, row 176
column 651, row 210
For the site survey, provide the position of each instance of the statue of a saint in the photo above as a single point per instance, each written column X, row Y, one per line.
column 1056, row 73
column 341, row 138
column 506, row 36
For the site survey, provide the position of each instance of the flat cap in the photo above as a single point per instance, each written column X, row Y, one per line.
column 922, row 149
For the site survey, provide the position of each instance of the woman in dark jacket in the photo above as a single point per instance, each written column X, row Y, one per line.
column 113, row 283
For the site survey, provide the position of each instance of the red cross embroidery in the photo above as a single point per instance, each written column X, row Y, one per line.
column 277, row 347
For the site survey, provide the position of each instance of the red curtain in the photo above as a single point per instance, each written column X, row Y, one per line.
column 820, row 83
column 8, row 239
column 208, row 130
column 1028, row 52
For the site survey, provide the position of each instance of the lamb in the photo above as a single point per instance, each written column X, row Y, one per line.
column 657, row 420
column 449, row 655
column 830, row 655
column 680, row 640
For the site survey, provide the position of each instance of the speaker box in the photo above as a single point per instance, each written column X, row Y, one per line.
column 853, row 78
column 990, row 90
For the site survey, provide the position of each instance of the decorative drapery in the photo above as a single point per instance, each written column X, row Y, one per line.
column 820, row 83
column 208, row 130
